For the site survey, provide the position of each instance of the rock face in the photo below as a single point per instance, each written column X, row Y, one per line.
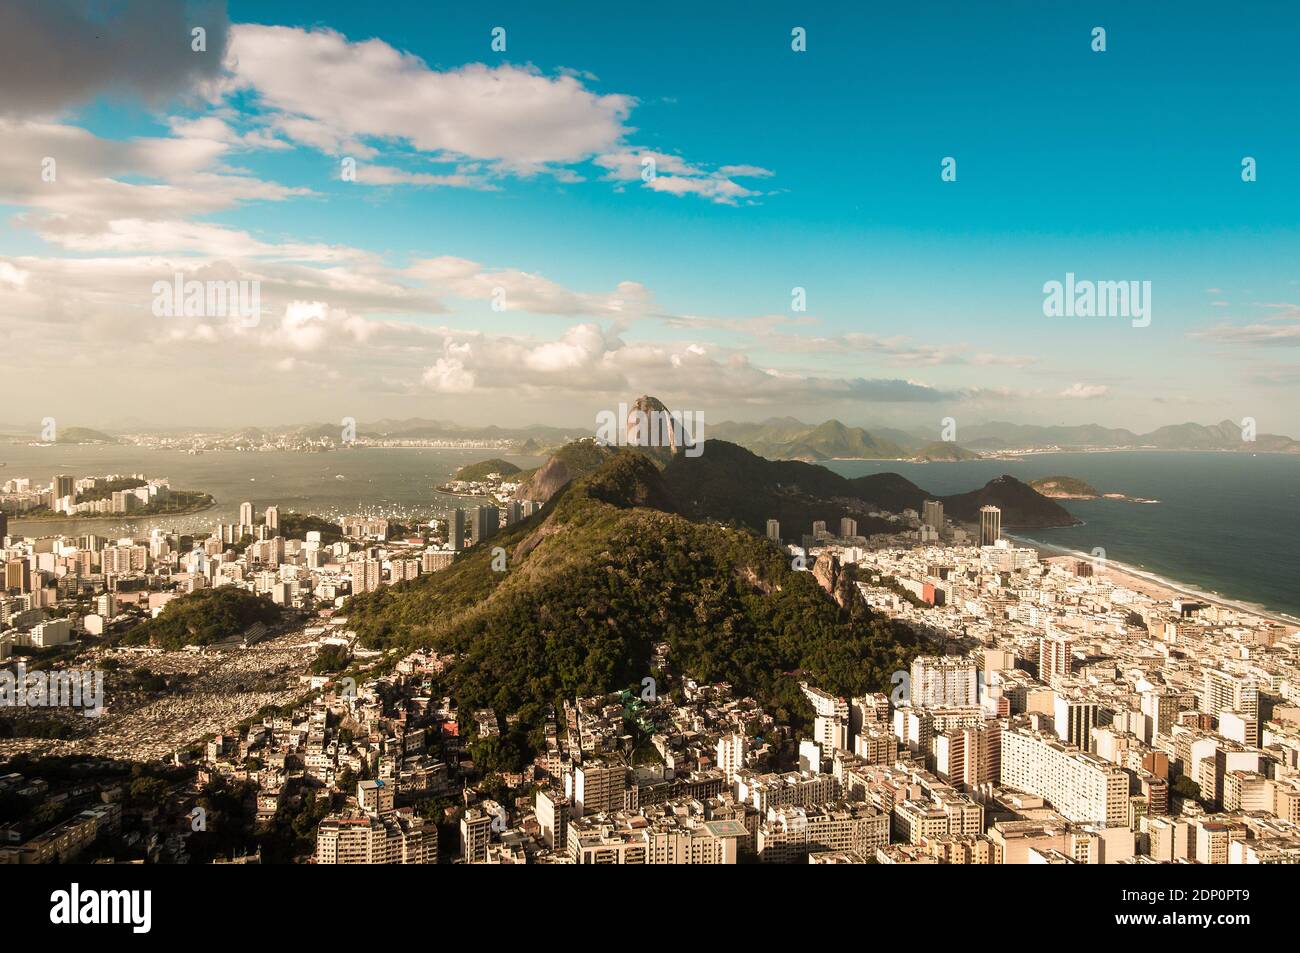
column 837, row 580
column 569, row 462
column 648, row 424
column 543, row 484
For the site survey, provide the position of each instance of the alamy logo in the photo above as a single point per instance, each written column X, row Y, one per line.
column 74, row 906
column 70, row 688
column 678, row 430
column 179, row 298
column 1098, row 299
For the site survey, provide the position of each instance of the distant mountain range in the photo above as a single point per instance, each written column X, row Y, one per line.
column 785, row 438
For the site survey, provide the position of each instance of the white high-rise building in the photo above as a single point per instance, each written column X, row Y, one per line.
column 731, row 755
column 1082, row 787
column 940, row 681
column 1223, row 691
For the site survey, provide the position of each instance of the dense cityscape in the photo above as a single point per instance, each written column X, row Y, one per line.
column 1060, row 713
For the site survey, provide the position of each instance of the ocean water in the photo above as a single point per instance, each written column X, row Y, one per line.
column 1226, row 523
column 398, row 483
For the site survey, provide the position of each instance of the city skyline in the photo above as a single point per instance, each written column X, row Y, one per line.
column 824, row 188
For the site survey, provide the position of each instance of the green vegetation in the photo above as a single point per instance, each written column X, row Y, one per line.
column 604, row 573
column 1064, row 487
column 790, row 439
column 83, row 435
column 571, row 461
column 204, row 617
column 729, row 484
column 179, row 503
column 332, row 658
column 297, row 525
column 109, row 488
column 479, row 471
column 944, row 451
column 1184, row 787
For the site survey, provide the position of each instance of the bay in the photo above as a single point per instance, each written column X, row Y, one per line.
column 398, row 483
column 1226, row 523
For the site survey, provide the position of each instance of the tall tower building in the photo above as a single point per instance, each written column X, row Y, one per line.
column 1053, row 658
column 944, row 680
column 273, row 517
column 1225, row 692
column 731, row 754
column 932, row 515
column 990, row 525
column 848, row 527
column 456, row 529
column 552, row 809
column 486, row 522
column 63, row 485
column 1074, row 720
column 774, row 531
column 246, row 514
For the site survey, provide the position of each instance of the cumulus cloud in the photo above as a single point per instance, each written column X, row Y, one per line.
column 87, row 193
column 346, row 98
column 333, row 94
column 587, row 359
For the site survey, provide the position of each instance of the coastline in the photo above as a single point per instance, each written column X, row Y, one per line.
column 1156, row 586
column 17, row 521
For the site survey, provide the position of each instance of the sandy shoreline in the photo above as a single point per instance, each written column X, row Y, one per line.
column 1154, row 586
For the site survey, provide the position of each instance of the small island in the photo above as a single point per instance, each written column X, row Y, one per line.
column 84, row 435
column 485, row 470
column 1072, row 488
column 493, row 478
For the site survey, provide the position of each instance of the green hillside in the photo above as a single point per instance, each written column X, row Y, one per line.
column 603, row 573
column 479, row 471
column 204, row 617
column 943, row 451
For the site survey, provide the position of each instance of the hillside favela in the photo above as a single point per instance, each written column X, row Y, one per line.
column 454, row 436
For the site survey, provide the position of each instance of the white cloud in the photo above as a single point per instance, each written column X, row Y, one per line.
column 1077, row 391
column 675, row 176
column 525, row 291
column 330, row 91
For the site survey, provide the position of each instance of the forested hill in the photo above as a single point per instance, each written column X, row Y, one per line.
column 728, row 483
column 605, row 571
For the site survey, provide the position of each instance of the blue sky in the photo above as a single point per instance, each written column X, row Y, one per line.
column 816, row 169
